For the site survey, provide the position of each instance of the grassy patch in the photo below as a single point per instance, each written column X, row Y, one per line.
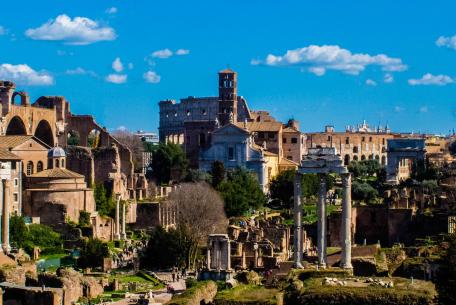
column 144, row 281
column 203, row 292
column 249, row 294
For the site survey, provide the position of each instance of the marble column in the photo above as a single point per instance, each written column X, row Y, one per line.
column 345, row 261
column 321, row 222
column 123, row 234
column 117, row 234
column 5, row 216
column 297, row 222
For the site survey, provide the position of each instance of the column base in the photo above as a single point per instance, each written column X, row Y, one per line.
column 346, row 266
column 298, row 265
column 322, row 265
column 123, row 236
column 6, row 248
column 116, row 236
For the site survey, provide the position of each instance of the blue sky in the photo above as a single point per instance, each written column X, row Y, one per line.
column 383, row 61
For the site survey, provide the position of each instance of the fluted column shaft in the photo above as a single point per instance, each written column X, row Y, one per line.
column 346, row 223
column 117, row 235
column 123, row 234
column 297, row 222
column 5, row 216
column 321, row 222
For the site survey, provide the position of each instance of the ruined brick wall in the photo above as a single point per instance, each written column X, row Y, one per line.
column 371, row 224
column 80, row 160
column 147, row 216
column 54, row 207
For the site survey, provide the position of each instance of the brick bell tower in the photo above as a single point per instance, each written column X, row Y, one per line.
column 227, row 97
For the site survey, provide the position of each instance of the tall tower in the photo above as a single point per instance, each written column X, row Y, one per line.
column 227, row 96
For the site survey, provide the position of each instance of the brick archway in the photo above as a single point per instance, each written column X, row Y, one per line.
column 44, row 132
column 16, row 127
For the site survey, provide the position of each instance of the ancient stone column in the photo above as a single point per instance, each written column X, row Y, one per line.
column 123, row 234
column 117, row 234
column 345, row 261
column 297, row 222
column 321, row 222
column 5, row 216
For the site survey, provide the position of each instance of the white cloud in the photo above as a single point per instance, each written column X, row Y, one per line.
column 152, row 77
column 371, row 82
column 388, row 78
column 116, row 78
column 117, row 65
column 80, row 71
column 424, row 109
column 398, row 109
column 449, row 42
column 165, row 53
column 429, row 79
column 182, row 52
column 24, row 75
column 111, row 10
column 332, row 57
column 76, row 31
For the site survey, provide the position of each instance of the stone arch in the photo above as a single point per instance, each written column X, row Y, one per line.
column 93, row 138
column 355, row 158
column 16, row 127
column 363, row 157
column 39, row 166
column 44, row 132
column 347, row 159
column 371, row 157
column 377, row 157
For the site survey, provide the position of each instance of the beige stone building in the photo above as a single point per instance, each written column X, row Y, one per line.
column 56, row 194
column 11, row 171
column 355, row 143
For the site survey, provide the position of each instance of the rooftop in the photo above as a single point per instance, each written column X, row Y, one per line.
column 58, row 173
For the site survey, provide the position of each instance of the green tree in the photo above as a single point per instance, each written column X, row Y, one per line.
column 105, row 204
column 241, row 193
column 43, row 237
column 364, row 168
column 166, row 249
column 196, row 175
column 18, row 231
column 218, row 173
column 168, row 162
column 362, row 191
column 92, row 253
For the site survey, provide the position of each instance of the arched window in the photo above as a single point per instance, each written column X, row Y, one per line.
column 363, row 157
column 371, row 157
column 29, row 168
column 355, row 149
column 346, row 159
column 377, row 157
column 39, row 166
column 57, row 163
column 62, row 163
column 355, row 158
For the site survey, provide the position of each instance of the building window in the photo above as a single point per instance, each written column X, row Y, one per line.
column 370, row 139
column 383, row 141
column 13, row 164
column 230, row 153
column 261, row 135
column 363, row 139
column 15, row 197
column 203, row 112
column 270, row 135
column 57, row 163
column 39, row 166
column 188, row 112
column 290, row 158
column 62, row 163
column 16, row 182
column 294, row 140
column 347, row 140
column 284, row 140
column 355, row 149
column 329, row 138
column 29, row 168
